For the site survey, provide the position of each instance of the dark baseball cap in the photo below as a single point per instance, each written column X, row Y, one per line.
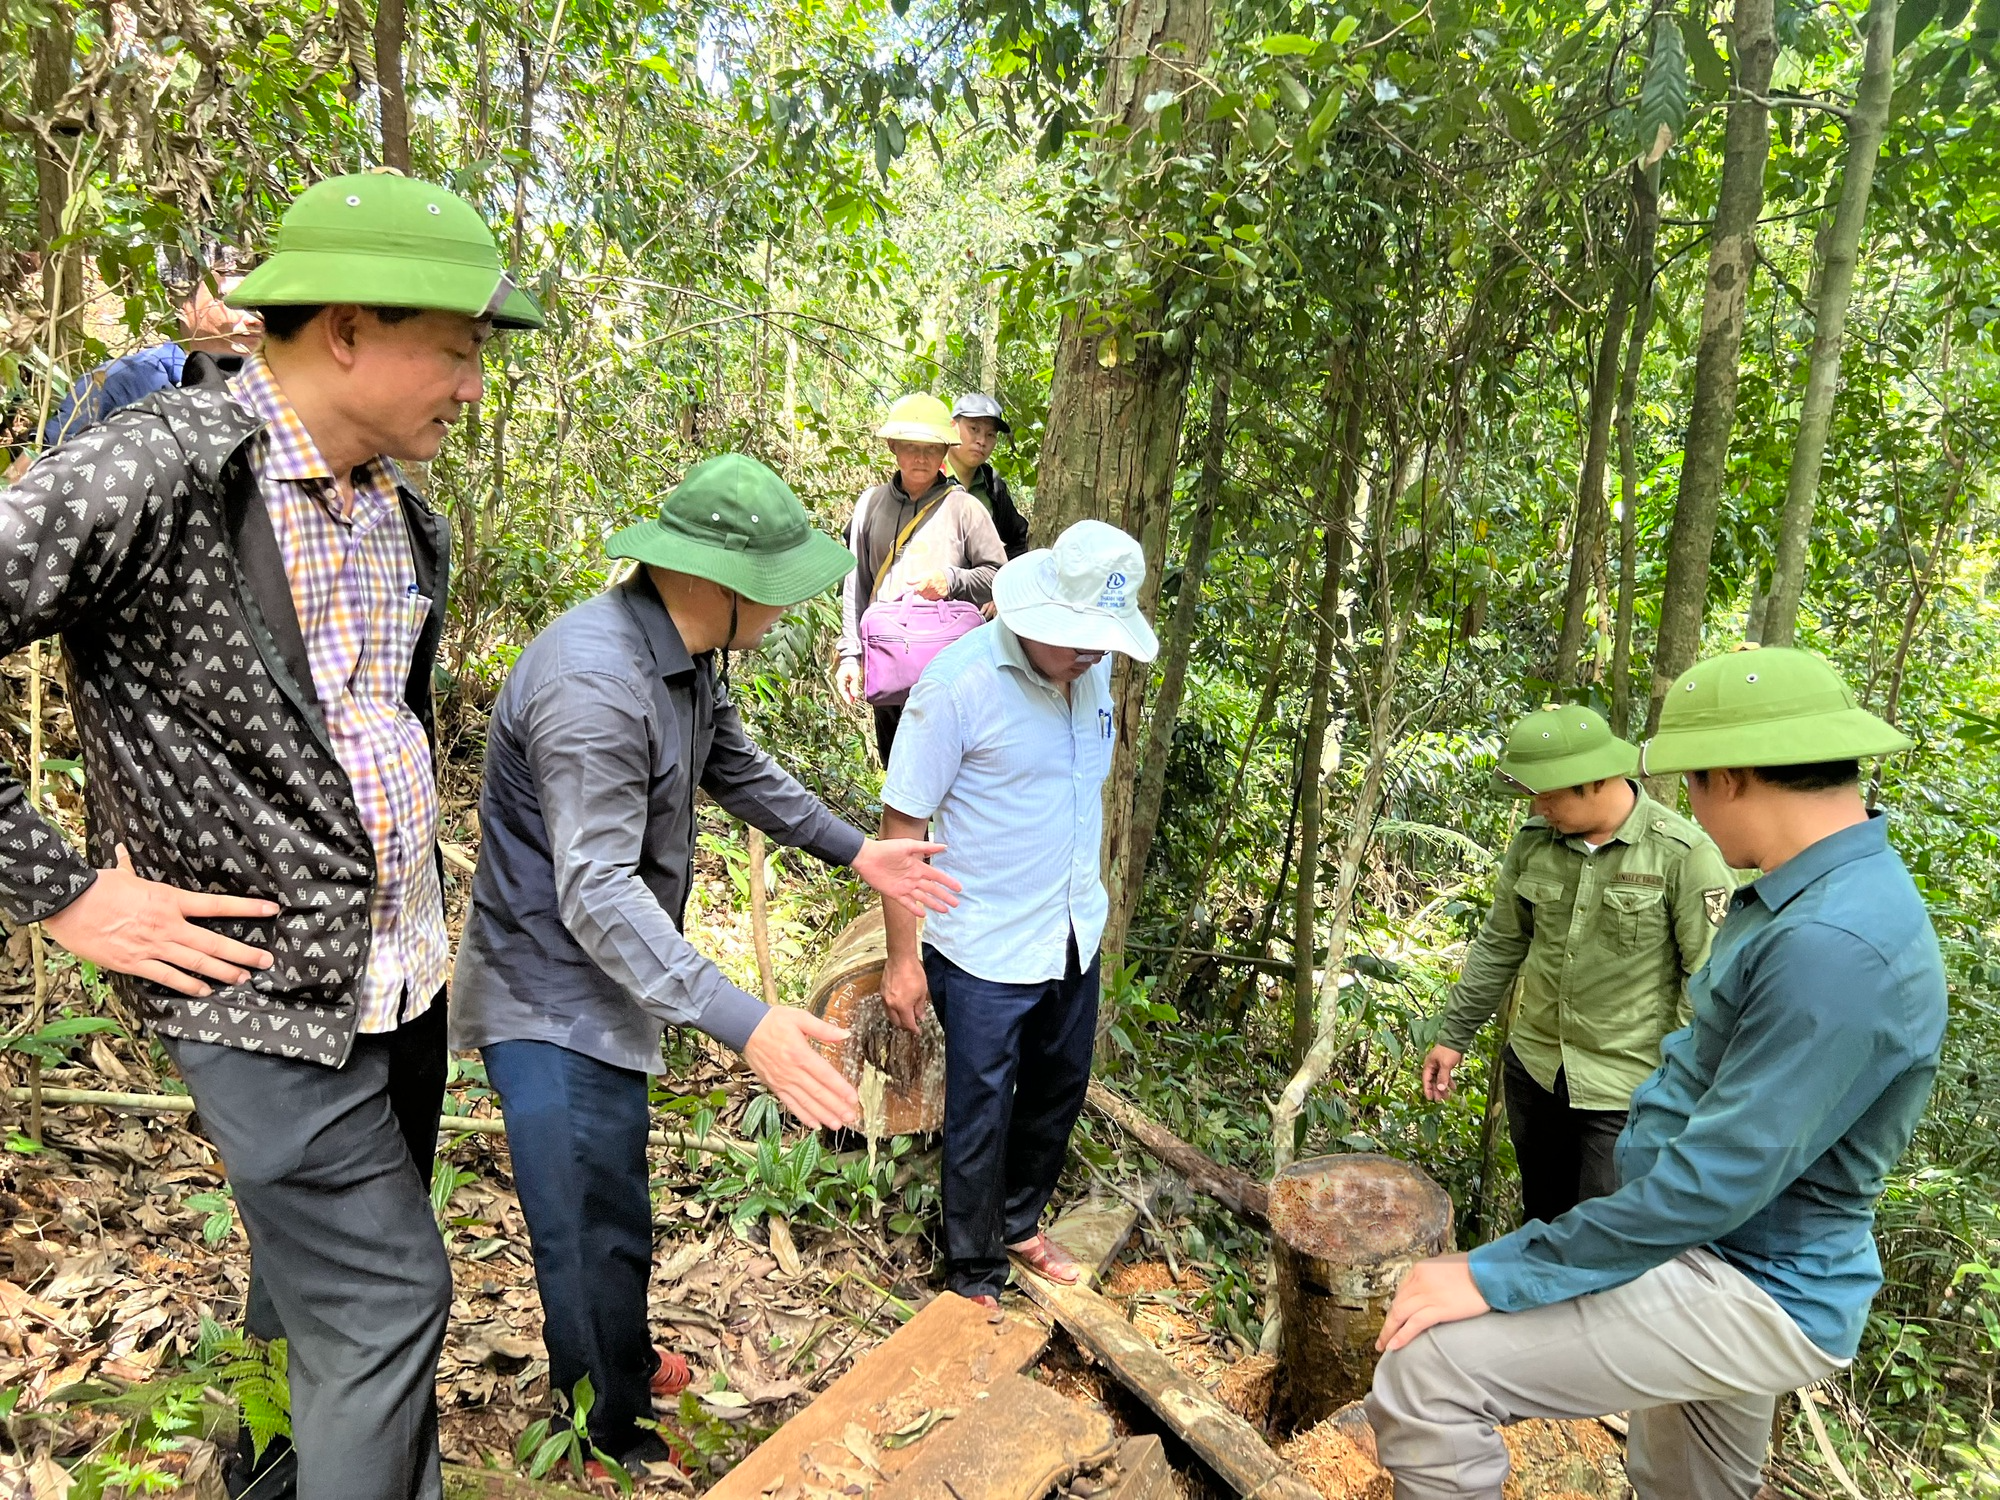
column 977, row 404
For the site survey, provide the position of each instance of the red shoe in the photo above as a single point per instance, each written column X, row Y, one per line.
column 673, row 1375
column 986, row 1300
column 1046, row 1258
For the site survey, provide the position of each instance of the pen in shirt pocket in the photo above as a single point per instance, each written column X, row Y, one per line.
column 1104, row 723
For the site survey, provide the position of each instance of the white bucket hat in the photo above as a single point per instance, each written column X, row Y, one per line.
column 1082, row 593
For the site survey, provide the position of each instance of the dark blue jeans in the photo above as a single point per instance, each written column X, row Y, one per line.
column 576, row 1130
column 1017, row 1062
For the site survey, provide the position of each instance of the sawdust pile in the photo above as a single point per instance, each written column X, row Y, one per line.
column 1332, row 1463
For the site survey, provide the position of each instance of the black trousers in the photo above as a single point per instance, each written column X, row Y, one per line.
column 1564, row 1153
column 576, row 1135
column 887, row 717
column 1017, row 1062
column 330, row 1168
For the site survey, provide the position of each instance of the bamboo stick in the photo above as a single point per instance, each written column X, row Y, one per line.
column 183, row 1104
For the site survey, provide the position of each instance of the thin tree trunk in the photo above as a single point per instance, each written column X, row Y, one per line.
column 1645, row 236
column 390, row 24
column 760, row 917
column 1178, row 645
column 52, row 48
column 1712, row 412
column 1843, row 248
column 1312, row 749
column 1586, row 554
column 1116, row 402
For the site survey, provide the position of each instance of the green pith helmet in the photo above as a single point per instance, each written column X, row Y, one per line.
column 918, row 419
column 733, row 521
column 1559, row 746
column 380, row 239
column 1764, row 706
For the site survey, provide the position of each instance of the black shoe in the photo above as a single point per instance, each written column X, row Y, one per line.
column 275, row 1476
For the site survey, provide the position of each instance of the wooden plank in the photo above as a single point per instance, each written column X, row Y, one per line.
column 1242, row 1195
column 1143, row 1471
column 1095, row 1231
column 1017, row 1444
column 1224, row 1441
column 948, row 1355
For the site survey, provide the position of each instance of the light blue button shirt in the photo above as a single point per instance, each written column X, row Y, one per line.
column 1011, row 776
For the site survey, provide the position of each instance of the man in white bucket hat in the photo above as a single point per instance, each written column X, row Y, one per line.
column 1005, row 744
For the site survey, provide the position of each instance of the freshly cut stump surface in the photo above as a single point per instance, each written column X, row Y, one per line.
column 899, row 1075
column 1345, row 1229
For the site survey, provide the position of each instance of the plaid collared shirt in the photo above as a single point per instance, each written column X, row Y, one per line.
column 355, row 589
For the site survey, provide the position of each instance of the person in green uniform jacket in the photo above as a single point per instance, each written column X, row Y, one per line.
column 1736, row 1261
column 1604, row 908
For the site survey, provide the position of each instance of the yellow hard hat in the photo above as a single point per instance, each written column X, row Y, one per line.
column 918, row 419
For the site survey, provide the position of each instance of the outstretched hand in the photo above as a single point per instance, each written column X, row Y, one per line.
column 1438, row 1290
column 900, row 869
column 145, row 928
column 782, row 1053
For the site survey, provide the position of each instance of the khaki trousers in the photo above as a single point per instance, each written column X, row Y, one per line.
column 1694, row 1350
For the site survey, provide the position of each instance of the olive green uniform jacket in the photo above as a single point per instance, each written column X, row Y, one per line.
column 1603, row 944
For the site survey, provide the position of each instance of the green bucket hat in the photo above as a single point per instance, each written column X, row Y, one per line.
column 380, row 239
column 733, row 521
column 1559, row 746
column 1764, row 706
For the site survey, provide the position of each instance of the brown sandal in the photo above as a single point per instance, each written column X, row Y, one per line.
column 1046, row 1258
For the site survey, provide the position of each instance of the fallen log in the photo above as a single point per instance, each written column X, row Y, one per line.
column 1095, row 1231
column 1230, row 1446
column 1236, row 1191
column 1018, row 1444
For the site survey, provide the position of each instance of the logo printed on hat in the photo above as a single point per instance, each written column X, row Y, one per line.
column 1113, row 595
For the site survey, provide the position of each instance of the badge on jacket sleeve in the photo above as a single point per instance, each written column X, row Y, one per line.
column 1717, row 902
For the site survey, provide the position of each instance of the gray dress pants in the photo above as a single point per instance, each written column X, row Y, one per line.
column 1695, row 1351
column 347, row 1252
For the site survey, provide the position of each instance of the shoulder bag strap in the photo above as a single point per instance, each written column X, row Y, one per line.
column 902, row 539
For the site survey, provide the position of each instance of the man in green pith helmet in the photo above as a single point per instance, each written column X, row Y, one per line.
column 1735, row 1261
column 1604, row 908
column 250, row 596
column 574, row 958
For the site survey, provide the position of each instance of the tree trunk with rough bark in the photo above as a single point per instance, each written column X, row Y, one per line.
column 1586, row 553
column 1179, row 641
column 1645, row 237
column 51, row 64
column 391, row 20
column 1712, row 412
column 1836, row 283
column 1115, row 406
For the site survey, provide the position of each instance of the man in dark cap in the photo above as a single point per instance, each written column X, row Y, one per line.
column 980, row 422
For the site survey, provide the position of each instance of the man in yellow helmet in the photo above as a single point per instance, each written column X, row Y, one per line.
column 918, row 532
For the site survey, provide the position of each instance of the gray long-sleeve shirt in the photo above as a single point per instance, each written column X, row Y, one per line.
column 605, row 728
column 959, row 540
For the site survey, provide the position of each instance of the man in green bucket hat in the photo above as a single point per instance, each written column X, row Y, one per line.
column 1735, row 1261
column 1603, row 909
column 574, row 958
column 250, row 596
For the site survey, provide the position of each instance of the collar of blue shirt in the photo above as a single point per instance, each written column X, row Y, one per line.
column 1778, row 888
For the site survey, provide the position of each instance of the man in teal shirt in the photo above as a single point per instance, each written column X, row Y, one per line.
column 1736, row 1261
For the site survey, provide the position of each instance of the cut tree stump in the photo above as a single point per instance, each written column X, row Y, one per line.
column 899, row 1074
column 1230, row 1446
column 946, row 1357
column 1344, row 1229
column 1017, row 1444
column 1241, row 1194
